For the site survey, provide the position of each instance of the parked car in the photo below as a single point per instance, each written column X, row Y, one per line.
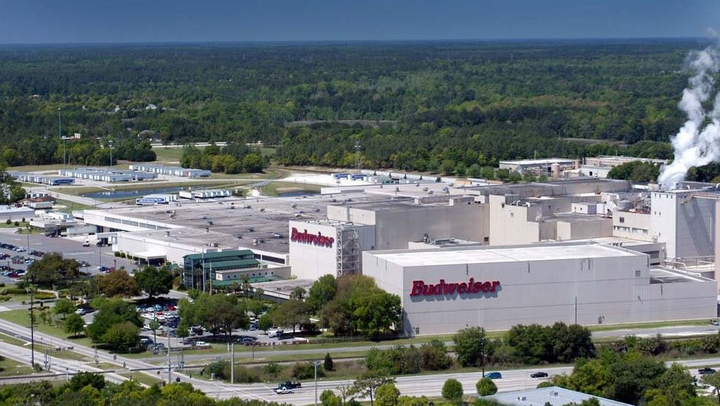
column 714, row 322
column 86, row 243
column 493, row 375
column 201, row 344
column 539, row 375
column 81, row 311
column 706, row 371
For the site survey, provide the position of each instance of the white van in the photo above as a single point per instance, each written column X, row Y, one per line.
column 274, row 333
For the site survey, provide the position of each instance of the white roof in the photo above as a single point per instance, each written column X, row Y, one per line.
column 554, row 395
column 539, row 161
column 540, row 252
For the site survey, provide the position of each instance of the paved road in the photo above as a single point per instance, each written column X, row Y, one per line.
column 246, row 352
column 417, row 385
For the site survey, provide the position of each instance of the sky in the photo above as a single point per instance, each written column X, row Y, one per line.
column 134, row 21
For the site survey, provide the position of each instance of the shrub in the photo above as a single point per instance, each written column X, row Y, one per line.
column 4, row 298
column 219, row 368
column 486, row 387
column 8, row 221
column 306, row 370
column 328, row 363
column 17, row 223
column 272, row 368
column 244, row 375
column 44, row 296
column 452, row 390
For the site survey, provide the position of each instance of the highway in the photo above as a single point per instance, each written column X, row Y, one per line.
column 415, row 385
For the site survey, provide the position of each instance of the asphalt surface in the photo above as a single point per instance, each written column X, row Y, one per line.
column 69, row 247
column 416, row 385
column 246, row 352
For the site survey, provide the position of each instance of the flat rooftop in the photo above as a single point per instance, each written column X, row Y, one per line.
column 265, row 219
column 553, row 395
column 519, row 253
column 539, row 161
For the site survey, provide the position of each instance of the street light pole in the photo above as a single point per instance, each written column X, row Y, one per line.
column 232, row 365
column 32, row 330
column 315, row 364
column 169, row 362
column 111, row 152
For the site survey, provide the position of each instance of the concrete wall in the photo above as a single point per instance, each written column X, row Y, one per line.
column 608, row 290
column 509, row 224
column 394, row 229
column 239, row 274
column 584, row 229
column 685, row 223
column 174, row 252
column 636, row 226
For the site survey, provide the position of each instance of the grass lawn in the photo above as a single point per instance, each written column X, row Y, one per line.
column 276, row 188
column 141, row 377
column 21, row 224
column 169, row 154
column 22, row 318
column 650, row 325
column 10, row 367
column 70, row 206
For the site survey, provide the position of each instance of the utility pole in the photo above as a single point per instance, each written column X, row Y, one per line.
column 169, row 362
column 32, row 329
column 202, row 263
column 232, row 365
column 111, row 152
column 315, row 364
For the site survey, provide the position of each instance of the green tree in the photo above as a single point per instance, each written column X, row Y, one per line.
column 265, row 322
column 329, row 398
column 111, row 312
column 122, row 336
column 367, row 384
column 64, row 306
column 117, row 283
column 74, row 324
column 487, row 173
column 154, row 325
column 298, row 293
column 447, row 167
column 291, row 313
column 253, row 163
column 474, row 171
column 52, row 268
column 452, row 391
column 83, row 379
column 218, row 313
column 486, row 387
column 328, row 363
column 472, row 347
column 387, row 395
column 154, row 281
column 714, row 381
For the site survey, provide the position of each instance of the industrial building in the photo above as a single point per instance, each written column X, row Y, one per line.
column 41, row 179
column 600, row 166
column 107, row 174
column 171, row 170
column 548, row 396
column 444, row 290
column 335, row 245
column 551, row 167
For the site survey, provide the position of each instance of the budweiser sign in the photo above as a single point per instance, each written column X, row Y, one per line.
column 308, row 238
column 442, row 288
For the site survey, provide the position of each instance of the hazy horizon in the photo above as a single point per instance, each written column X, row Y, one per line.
column 45, row 22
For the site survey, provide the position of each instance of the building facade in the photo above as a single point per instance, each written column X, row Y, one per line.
column 445, row 290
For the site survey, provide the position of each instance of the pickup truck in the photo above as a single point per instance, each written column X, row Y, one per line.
column 289, row 385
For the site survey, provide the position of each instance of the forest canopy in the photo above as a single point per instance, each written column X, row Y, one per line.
column 410, row 105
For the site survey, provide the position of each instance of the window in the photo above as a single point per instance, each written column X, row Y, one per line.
column 637, row 273
column 622, row 219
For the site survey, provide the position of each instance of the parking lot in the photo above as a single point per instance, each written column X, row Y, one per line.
column 69, row 248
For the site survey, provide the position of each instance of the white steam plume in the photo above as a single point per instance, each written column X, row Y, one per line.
column 697, row 143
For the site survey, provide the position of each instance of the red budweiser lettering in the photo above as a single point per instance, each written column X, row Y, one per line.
column 307, row 238
column 420, row 288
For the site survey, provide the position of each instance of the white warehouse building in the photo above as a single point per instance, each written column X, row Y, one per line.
column 447, row 289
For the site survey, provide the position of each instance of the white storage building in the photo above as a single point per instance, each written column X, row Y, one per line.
column 447, row 289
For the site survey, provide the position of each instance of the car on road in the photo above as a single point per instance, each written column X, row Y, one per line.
column 289, row 385
column 201, row 344
column 539, row 375
column 86, row 243
column 283, row 391
column 81, row 311
column 493, row 375
column 714, row 322
column 706, row 371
